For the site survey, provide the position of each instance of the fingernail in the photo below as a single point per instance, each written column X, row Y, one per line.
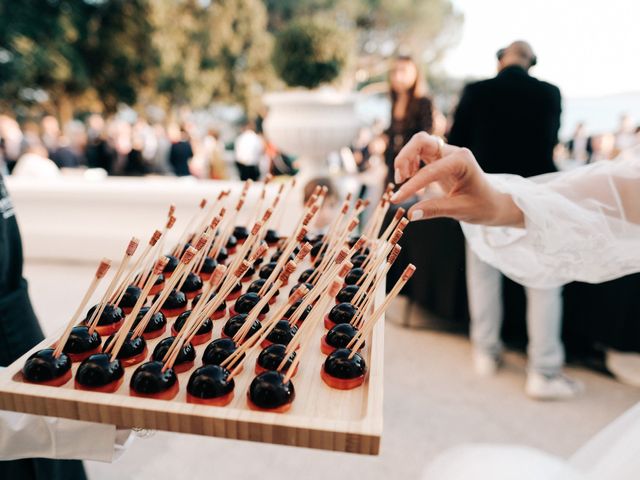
column 416, row 215
column 397, row 176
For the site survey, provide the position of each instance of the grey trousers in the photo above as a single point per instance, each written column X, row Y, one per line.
column 544, row 317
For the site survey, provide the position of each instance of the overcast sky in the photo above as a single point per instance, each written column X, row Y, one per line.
column 586, row 47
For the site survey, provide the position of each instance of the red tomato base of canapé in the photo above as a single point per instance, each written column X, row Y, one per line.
column 56, row 382
column 273, row 300
column 197, row 339
column 108, row 388
column 260, row 370
column 328, row 349
column 325, row 347
column 217, row 315
column 328, row 323
column 193, row 294
column 341, row 383
column 154, row 334
column 126, row 310
column 246, row 279
column 266, row 343
column 281, row 409
column 127, row 362
column 167, row 274
column 168, row 394
column 241, row 241
column 232, row 250
column 200, row 339
column 205, row 276
column 233, row 295
column 183, row 367
column 212, row 402
column 108, row 330
column 156, row 289
column 173, row 312
column 79, row 357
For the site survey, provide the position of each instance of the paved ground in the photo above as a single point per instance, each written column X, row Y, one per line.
column 432, row 401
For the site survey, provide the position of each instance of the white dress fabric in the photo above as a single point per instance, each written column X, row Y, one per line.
column 579, row 225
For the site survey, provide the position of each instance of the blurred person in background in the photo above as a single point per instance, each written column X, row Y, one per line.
column 99, row 152
column 625, row 135
column 604, row 147
column 10, row 141
column 35, row 163
column 580, row 147
column 249, row 149
column 411, row 108
column 513, row 112
column 180, row 152
column 71, row 146
column 160, row 160
column 50, row 134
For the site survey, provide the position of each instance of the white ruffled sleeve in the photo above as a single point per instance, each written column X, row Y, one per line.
column 580, row 225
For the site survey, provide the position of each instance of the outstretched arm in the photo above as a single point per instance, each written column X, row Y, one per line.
column 578, row 225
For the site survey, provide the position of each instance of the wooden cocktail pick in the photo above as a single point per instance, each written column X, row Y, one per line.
column 103, row 267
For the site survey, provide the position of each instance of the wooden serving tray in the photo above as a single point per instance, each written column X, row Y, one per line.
column 320, row 417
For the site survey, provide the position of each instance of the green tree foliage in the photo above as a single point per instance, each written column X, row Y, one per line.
column 74, row 50
column 309, row 52
column 422, row 28
column 212, row 51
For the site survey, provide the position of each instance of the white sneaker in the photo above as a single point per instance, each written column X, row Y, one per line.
column 556, row 387
column 484, row 364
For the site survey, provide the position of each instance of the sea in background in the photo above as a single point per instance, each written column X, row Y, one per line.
column 600, row 114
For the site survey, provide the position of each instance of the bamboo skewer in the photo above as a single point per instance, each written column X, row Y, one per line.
column 356, row 342
column 395, row 238
column 199, row 250
column 319, row 288
column 255, row 311
column 285, row 201
column 121, row 335
column 101, row 271
column 97, row 313
column 207, row 248
column 187, row 256
column 187, row 230
column 117, row 296
column 199, row 315
column 146, row 269
column 375, row 260
column 391, row 252
column 231, row 362
column 369, row 299
column 284, row 257
column 176, row 346
column 330, row 255
column 301, row 339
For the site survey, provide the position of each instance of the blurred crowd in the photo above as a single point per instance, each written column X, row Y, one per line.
column 583, row 147
column 117, row 146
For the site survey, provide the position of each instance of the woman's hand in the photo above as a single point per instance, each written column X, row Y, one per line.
column 468, row 195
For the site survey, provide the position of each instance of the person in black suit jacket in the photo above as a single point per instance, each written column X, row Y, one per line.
column 513, row 112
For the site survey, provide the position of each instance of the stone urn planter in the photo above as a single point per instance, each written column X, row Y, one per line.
column 310, row 124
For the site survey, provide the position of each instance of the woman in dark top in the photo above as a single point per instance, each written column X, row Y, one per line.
column 435, row 247
column 411, row 109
